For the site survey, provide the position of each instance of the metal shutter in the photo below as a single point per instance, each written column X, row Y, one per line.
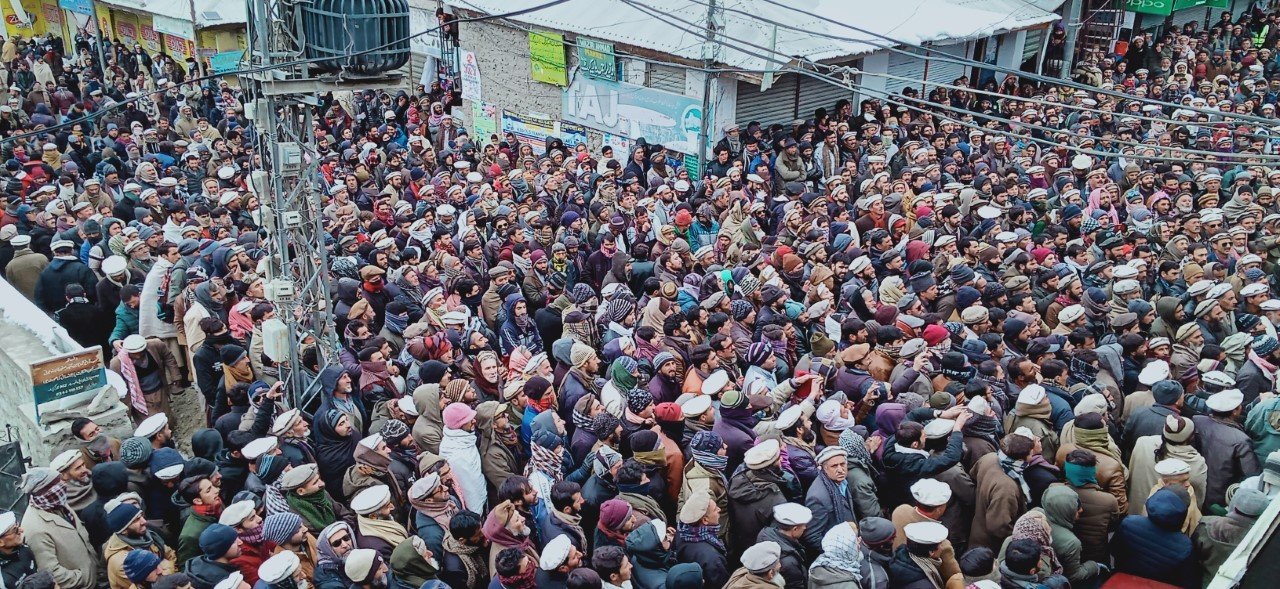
column 1186, row 15
column 815, row 94
column 945, row 71
column 907, row 66
column 1035, row 40
column 775, row 105
column 666, row 78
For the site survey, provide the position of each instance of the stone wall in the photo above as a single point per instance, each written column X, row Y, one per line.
column 30, row 336
column 505, row 79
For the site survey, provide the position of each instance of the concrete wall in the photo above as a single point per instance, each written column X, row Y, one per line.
column 30, row 336
column 503, row 55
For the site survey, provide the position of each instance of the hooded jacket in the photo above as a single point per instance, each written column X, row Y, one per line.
column 649, row 559
column 1154, row 547
column 1060, row 504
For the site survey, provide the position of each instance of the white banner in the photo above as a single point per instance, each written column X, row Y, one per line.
column 470, row 76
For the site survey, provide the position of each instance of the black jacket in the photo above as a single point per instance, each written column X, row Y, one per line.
column 17, row 566
column 51, row 287
column 86, row 323
column 903, row 469
column 713, row 560
column 205, row 573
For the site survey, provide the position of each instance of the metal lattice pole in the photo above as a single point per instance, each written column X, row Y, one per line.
column 298, row 271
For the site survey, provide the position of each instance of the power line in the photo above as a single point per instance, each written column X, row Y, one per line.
column 850, row 85
column 894, row 43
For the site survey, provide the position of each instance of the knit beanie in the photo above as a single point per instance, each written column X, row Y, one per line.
column 457, row 415
column 614, row 513
column 638, row 400
column 139, row 563
column 216, row 540
column 135, row 452
column 580, row 354
column 820, row 344
column 395, row 431
column 740, row 309
column 279, row 527
column 121, row 516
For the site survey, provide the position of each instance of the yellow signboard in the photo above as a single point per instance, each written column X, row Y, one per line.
column 546, row 58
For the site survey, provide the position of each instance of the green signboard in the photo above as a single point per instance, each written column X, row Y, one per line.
column 597, row 59
column 70, row 374
column 546, row 58
column 1161, row 7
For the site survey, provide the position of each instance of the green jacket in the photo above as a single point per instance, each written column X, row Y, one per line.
column 1060, row 504
column 1265, row 436
column 189, row 538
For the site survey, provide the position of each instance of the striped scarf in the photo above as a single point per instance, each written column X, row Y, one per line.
column 711, row 460
column 696, row 533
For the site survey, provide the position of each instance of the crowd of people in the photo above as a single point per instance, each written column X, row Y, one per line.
column 1015, row 338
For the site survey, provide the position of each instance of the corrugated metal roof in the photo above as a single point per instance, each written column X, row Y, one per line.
column 910, row 21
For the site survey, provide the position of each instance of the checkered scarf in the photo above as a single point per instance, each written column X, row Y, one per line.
column 52, row 499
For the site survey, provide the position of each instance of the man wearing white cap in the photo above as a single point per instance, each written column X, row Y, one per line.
column 929, row 503
column 152, row 374
column 1032, row 410
column 790, row 521
column 1227, row 449
column 833, row 498
column 16, row 559
column 558, row 558
column 64, row 269
column 377, row 529
column 924, row 547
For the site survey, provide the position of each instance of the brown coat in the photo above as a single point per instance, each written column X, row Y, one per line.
column 158, row 402
column 904, row 515
column 880, row 366
column 999, row 503
column 1111, row 474
column 115, row 551
column 62, row 548
column 1100, row 514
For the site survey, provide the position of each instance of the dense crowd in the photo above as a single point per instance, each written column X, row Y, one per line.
column 1018, row 337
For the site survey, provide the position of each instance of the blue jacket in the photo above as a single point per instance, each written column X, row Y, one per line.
column 1154, row 547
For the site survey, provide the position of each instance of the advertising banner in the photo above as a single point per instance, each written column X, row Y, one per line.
column 631, row 111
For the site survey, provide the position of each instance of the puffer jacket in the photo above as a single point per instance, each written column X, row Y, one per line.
column 1154, row 547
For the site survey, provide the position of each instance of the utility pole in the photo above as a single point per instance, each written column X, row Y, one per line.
column 710, row 53
column 102, row 54
column 1073, row 30
column 298, row 278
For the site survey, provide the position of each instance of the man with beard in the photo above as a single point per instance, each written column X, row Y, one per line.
column 565, row 519
column 131, row 534
column 305, row 493
column 559, row 558
column 292, row 540
column 17, row 562
column 366, row 568
column 285, row 570
column 506, row 528
column 1212, row 321
column 465, row 561
column 81, row 498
